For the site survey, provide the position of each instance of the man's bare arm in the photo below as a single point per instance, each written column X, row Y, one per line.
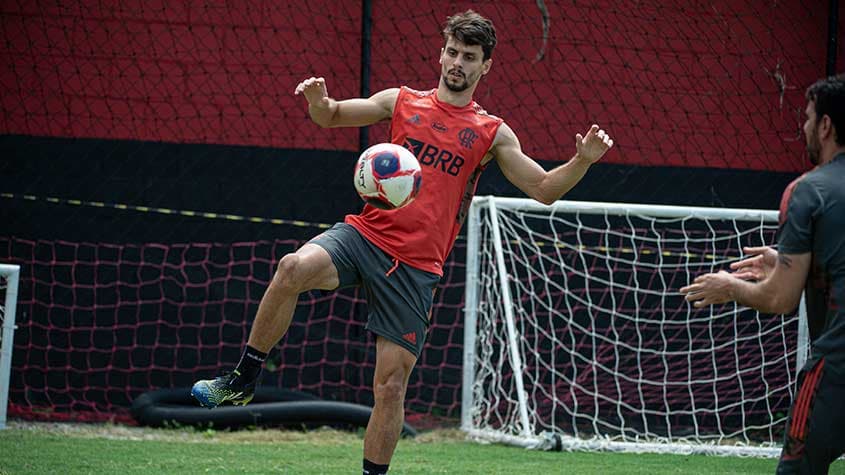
column 780, row 292
column 532, row 179
column 359, row 112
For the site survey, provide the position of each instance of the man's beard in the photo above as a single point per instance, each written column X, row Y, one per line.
column 460, row 87
column 814, row 147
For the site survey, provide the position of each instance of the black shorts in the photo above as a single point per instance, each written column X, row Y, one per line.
column 399, row 296
column 815, row 429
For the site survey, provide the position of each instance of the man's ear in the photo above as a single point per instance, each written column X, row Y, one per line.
column 440, row 58
column 487, row 65
column 825, row 128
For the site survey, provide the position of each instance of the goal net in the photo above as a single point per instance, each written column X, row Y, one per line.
column 8, row 301
column 577, row 337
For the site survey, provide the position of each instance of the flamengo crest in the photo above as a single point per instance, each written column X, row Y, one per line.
column 467, row 137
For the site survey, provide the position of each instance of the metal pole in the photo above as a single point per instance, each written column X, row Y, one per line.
column 832, row 36
column 12, row 274
column 803, row 350
column 470, row 313
column 366, row 58
column 630, row 209
column 510, row 323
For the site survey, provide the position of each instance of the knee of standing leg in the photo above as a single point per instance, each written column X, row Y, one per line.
column 390, row 390
column 287, row 273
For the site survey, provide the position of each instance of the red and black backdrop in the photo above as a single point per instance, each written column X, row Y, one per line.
column 112, row 110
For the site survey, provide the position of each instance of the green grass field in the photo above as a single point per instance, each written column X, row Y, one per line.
column 100, row 449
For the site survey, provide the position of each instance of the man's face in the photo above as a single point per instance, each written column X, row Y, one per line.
column 811, row 129
column 462, row 65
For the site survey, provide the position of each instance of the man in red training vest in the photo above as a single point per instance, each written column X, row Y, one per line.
column 397, row 256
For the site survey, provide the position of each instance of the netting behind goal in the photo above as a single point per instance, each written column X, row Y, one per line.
column 575, row 328
column 100, row 324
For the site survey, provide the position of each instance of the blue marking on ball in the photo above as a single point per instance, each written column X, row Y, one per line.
column 385, row 164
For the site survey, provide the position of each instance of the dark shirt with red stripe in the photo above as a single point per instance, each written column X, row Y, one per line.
column 812, row 219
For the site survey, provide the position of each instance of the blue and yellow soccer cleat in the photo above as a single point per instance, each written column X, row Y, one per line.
column 213, row 392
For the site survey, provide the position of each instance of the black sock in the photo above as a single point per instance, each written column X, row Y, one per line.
column 371, row 468
column 250, row 366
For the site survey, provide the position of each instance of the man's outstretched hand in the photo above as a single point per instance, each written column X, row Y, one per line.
column 592, row 147
column 710, row 289
column 758, row 266
column 314, row 90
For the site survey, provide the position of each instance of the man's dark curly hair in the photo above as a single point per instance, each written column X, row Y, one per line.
column 472, row 29
column 829, row 97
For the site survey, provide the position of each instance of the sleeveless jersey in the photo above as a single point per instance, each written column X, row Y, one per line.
column 450, row 142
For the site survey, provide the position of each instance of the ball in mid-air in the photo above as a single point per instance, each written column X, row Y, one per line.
column 387, row 176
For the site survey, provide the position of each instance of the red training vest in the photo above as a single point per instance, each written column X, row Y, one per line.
column 450, row 142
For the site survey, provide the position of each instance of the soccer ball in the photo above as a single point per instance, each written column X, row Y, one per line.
column 387, row 176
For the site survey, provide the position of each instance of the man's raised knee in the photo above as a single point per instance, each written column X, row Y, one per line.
column 287, row 275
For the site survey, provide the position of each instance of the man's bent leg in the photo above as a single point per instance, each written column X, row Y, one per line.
column 393, row 368
column 310, row 267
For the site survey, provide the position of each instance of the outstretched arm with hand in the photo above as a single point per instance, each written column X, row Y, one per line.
column 548, row 186
column 327, row 112
column 757, row 267
column 779, row 292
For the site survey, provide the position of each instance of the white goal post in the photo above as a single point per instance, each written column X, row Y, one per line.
column 576, row 336
column 9, row 276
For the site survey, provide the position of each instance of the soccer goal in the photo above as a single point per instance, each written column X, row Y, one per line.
column 9, row 275
column 576, row 336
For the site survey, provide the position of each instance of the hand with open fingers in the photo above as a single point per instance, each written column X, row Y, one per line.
column 314, row 90
column 594, row 145
column 758, row 266
column 710, row 289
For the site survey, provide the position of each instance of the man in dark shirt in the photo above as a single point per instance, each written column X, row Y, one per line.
column 810, row 257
